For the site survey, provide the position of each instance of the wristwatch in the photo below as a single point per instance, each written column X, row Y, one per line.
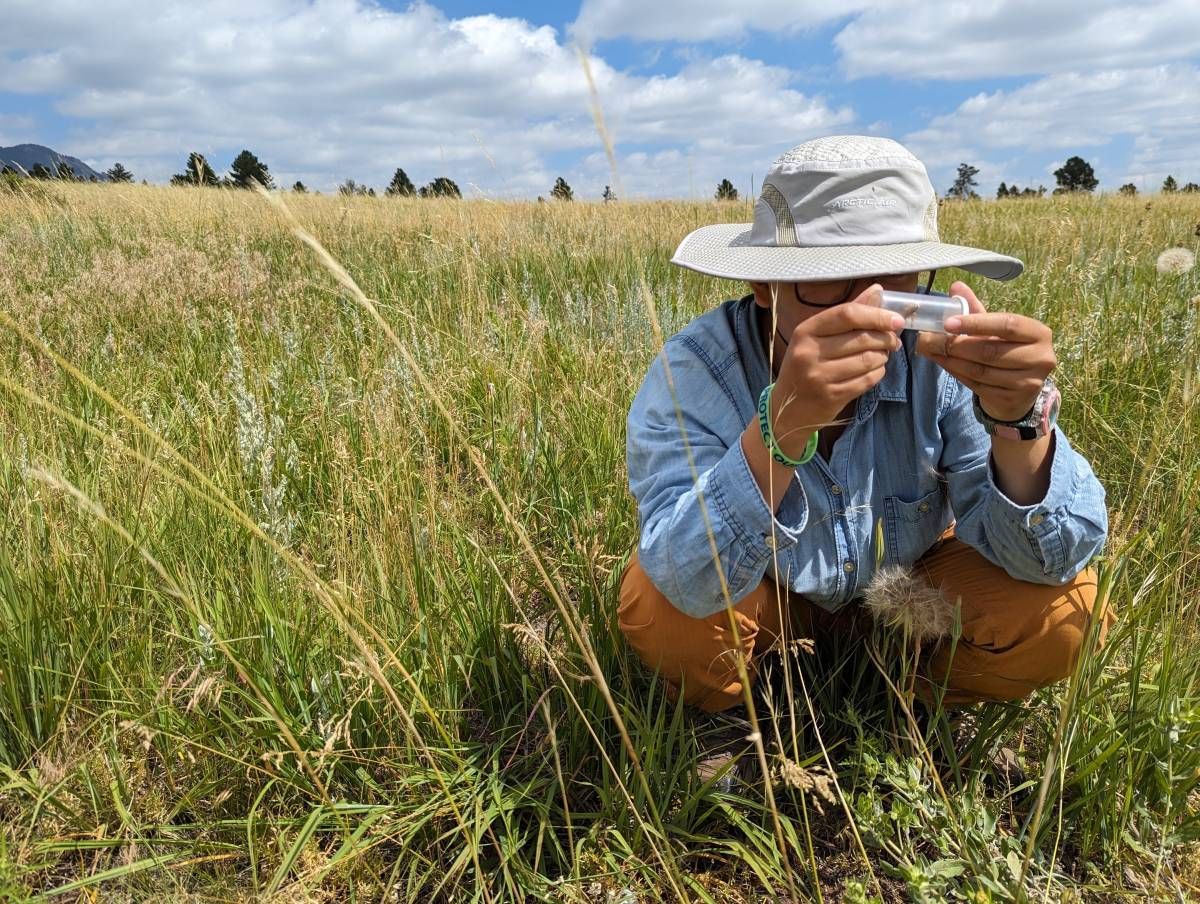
column 1038, row 422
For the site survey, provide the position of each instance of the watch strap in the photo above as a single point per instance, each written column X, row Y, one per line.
column 1039, row 421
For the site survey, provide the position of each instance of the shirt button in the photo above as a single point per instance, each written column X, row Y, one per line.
column 769, row 539
column 836, row 490
column 848, row 567
column 1037, row 519
column 923, row 507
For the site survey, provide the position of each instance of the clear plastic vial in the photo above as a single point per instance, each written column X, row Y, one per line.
column 926, row 313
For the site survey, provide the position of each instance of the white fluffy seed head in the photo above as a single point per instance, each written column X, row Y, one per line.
column 898, row 599
column 1175, row 261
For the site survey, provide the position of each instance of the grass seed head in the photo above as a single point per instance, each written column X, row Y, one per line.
column 815, row 780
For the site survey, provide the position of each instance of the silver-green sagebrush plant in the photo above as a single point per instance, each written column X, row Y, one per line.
column 303, row 603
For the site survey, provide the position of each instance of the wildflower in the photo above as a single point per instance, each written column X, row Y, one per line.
column 899, row 599
column 1176, row 261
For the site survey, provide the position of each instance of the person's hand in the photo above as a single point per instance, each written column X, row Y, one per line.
column 832, row 358
column 1003, row 358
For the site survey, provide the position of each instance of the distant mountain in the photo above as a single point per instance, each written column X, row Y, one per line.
column 27, row 156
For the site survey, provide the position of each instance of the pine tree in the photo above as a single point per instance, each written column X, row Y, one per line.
column 1191, row 188
column 299, row 188
column 247, row 169
column 726, row 191
column 609, row 195
column 350, row 187
column 401, row 186
column 1002, row 191
column 1127, row 189
column 1075, row 175
column 441, row 187
column 65, row 172
column 118, row 173
column 964, row 183
column 197, row 172
column 562, row 191
column 41, row 172
column 1170, row 185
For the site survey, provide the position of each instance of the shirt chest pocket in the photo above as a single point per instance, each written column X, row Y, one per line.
column 911, row 527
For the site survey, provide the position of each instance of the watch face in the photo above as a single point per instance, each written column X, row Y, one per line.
column 1050, row 415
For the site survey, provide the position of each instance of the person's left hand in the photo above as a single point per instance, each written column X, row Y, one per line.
column 1003, row 358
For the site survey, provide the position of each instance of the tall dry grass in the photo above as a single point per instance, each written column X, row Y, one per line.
column 275, row 574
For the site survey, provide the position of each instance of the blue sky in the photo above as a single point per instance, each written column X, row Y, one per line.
column 492, row 93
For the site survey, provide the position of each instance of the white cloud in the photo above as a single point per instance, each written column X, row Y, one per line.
column 920, row 39
column 345, row 88
column 701, row 20
column 1071, row 112
column 915, row 39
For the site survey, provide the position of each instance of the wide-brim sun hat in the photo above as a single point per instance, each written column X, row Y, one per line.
column 839, row 207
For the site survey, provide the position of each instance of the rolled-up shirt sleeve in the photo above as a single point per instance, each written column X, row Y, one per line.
column 701, row 513
column 1048, row 542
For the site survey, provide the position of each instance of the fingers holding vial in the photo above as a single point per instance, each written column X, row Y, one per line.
column 924, row 313
column 1003, row 357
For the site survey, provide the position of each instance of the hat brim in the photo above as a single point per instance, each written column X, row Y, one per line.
column 724, row 250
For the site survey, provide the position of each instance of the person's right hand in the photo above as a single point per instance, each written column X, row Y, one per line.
column 832, row 358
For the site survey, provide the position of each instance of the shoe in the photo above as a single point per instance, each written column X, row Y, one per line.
column 723, row 744
column 1006, row 775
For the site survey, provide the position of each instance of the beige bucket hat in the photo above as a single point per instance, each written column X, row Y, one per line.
column 838, row 207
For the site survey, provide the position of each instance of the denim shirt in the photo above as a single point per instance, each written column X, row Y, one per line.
column 914, row 457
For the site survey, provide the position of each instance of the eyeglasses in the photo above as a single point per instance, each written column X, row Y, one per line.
column 854, row 284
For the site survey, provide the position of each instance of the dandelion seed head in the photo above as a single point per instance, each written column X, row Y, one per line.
column 898, row 599
column 1175, row 261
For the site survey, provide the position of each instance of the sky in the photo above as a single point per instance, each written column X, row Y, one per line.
column 493, row 93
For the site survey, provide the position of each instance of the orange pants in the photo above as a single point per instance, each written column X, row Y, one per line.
column 1016, row 636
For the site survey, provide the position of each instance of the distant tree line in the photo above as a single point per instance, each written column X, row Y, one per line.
column 247, row 170
column 1014, row 191
column 1170, row 186
column 66, row 173
column 1076, row 175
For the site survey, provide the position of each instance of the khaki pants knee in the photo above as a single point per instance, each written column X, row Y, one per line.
column 698, row 657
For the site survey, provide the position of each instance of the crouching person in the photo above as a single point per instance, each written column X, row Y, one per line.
column 772, row 434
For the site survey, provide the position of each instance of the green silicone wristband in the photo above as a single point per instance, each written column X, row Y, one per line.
column 768, row 436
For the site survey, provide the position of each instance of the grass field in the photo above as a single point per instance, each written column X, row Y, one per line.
column 274, row 572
